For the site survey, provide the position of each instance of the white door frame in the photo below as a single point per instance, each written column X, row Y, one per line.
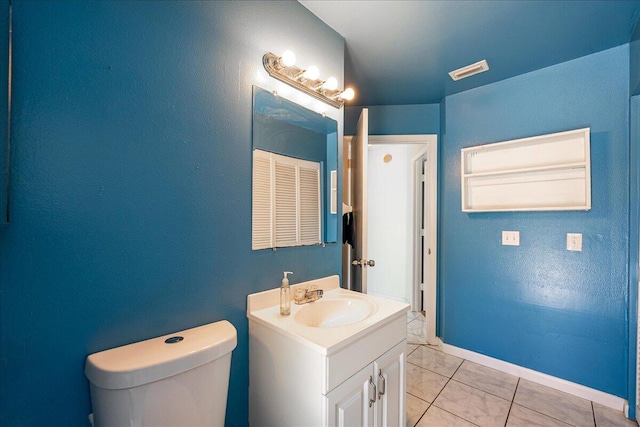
column 420, row 207
column 431, row 220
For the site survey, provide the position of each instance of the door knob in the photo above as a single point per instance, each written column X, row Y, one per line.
column 364, row 262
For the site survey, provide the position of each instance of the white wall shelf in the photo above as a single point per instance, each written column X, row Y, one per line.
column 541, row 173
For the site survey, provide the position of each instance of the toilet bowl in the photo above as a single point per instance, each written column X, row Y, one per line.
column 180, row 379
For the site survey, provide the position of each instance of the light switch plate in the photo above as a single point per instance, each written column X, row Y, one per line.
column 511, row 238
column 574, row 242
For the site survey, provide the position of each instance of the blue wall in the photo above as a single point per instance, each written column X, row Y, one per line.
column 4, row 142
column 131, row 198
column 538, row 305
column 634, row 81
column 421, row 119
column 634, row 231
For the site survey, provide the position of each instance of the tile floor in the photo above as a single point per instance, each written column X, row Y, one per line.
column 443, row 390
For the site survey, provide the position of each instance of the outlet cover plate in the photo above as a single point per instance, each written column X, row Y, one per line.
column 574, row 242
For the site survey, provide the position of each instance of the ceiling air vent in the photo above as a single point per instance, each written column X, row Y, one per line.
column 469, row 70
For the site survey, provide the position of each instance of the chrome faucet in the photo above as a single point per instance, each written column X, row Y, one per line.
column 303, row 296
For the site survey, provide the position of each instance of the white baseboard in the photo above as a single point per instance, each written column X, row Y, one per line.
column 597, row 396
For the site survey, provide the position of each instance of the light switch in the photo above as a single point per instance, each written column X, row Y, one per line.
column 511, row 238
column 574, row 242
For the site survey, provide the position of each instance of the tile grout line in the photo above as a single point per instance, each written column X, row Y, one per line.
column 475, row 388
column 513, row 398
column 443, row 387
column 484, row 391
column 449, row 379
column 423, row 414
column 457, row 416
column 430, row 403
column 440, row 392
column 542, row 413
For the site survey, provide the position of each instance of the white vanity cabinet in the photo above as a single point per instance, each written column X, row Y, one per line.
column 375, row 396
column 352, row 375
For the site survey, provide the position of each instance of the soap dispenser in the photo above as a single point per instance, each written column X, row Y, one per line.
column 285, row 295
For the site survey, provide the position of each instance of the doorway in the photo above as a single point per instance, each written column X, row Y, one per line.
column 402, row 220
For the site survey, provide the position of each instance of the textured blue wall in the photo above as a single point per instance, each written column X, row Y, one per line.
column 4, row 143
column 538, row 305
column 634, row 230
column 634, row 82
column 131, row 214
column 421, row 119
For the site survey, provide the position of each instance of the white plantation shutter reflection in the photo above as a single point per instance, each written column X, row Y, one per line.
column 309, row 206
column 262, row 219
column 287, row 206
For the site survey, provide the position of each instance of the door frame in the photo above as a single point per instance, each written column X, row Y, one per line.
column 431, row 221
column 420, row 207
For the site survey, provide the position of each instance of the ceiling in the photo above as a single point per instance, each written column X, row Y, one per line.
column 400, row 52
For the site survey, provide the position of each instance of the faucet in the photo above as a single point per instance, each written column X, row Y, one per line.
column 303, row 296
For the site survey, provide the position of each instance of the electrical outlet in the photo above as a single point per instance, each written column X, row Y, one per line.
column 574, row 242
column 511, row 238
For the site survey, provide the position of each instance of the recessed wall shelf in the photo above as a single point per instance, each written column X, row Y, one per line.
column 540, row 173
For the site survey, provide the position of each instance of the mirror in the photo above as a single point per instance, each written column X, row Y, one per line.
column 285, row 128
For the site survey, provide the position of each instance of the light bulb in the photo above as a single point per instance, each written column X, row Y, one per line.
column 288, row 59
column 330, row 84
column 348, row 94
column 311, row 73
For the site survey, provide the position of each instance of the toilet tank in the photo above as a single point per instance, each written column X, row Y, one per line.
column 180, row 379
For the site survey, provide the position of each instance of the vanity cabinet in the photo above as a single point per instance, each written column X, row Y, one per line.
column 375, row 396
column 349, row 371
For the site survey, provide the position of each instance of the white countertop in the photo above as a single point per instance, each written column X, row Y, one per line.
column 264, row 308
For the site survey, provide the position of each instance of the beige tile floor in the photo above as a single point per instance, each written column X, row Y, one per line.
column 443, row 390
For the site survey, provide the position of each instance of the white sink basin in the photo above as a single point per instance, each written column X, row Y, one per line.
column 340, row 317
column 331, row 313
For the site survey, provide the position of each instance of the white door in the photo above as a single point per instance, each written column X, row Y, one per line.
column 359, row 157
column 427, row 247
column 349, row 404
column 392, row 219
column 390, row 369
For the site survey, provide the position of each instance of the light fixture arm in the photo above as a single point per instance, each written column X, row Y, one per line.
column 291, row 75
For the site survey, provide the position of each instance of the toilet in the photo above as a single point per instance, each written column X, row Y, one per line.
column 179, row 379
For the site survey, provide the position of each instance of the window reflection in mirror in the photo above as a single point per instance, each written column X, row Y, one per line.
column 287, row 129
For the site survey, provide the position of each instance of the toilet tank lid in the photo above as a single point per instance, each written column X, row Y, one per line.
column 158, row 358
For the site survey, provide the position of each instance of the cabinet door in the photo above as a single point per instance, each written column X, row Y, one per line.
column 391, row 387
column 349, row 404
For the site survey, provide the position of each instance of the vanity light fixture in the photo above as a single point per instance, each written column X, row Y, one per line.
column 469, row 70
column 308, row 81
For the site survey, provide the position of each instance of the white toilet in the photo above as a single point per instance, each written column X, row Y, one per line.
column 179, row 379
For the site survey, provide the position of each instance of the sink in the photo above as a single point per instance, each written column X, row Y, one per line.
column 331, row 313
column 340, row 317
